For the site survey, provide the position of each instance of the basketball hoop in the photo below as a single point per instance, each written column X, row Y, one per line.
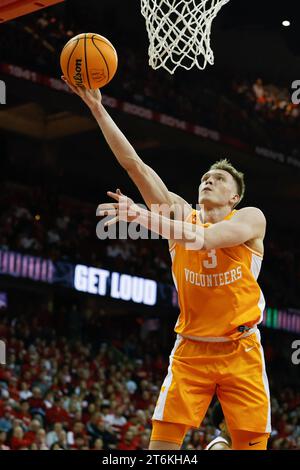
column 179, row 32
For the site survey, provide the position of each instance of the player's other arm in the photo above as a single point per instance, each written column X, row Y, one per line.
column 150, row 185
column 247, row 224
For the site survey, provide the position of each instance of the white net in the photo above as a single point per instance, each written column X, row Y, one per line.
column 179, row 32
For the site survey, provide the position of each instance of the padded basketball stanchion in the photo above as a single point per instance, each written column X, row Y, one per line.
column 10, row 9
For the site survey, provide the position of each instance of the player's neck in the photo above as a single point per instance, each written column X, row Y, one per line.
column 213, row 215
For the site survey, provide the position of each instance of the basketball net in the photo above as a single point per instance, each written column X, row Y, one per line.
column 179, row 32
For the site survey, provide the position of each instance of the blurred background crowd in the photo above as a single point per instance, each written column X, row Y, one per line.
column 87, row 392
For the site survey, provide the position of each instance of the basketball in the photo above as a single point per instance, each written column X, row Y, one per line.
column 89, row 60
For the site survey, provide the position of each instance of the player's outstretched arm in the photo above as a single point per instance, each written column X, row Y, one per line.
column 150, row 185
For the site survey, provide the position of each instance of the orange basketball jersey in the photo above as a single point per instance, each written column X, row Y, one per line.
column 218, row 293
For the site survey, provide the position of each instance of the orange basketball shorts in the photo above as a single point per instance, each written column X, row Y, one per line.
column 234, row 370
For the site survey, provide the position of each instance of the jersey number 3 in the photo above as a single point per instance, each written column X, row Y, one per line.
column 213, row 260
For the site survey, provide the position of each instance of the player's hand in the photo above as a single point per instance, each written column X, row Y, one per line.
column 92, row 98
column 123, row 209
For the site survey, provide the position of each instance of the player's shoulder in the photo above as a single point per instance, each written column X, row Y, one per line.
column 255, row 221
column 251, row 213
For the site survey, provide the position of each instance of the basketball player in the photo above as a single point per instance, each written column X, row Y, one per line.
column 216, row 262
column 223, row 441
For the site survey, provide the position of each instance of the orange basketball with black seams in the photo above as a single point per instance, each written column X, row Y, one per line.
column 89, row 60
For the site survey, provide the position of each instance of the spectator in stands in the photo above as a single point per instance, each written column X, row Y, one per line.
column 41, row 440
column 259, row 91
column 6, row 419
column 3, row 440
column 129, row 441
column 18, row 441
column 53, row 436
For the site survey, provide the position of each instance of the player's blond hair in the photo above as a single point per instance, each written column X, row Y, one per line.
column 238, row 176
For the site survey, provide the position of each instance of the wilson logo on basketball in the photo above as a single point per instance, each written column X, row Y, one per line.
column 98, row 75
column 78, row 75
